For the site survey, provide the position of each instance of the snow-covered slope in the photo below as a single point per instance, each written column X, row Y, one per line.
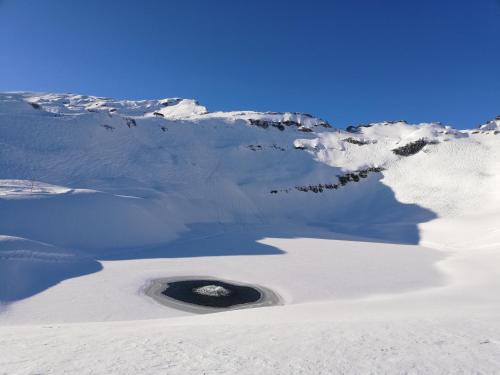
column 492, row 126
column 454, row 174
column 28, row 267
column 98, row 175
column 333, row 220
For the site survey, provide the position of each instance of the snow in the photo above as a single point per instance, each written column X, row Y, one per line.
column 348, row 345
column 28, row 267
column 394, row 273
column 12, row 189
column 491, row 126
column 329, row 269
column 212, row 290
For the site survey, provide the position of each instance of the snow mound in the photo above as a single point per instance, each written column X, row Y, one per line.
column 80, row 218
column 12, row 189
column 212, row 291
column 28, row 267
column 491, row 127
column 23, row 249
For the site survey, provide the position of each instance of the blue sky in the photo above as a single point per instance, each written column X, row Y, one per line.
column 346, row 61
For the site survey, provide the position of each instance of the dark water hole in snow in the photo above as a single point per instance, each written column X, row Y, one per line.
column 211, row 293
column 205, row 295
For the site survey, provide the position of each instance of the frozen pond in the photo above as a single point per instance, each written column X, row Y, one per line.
column 206, row 294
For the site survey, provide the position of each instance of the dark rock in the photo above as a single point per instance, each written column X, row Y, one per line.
column 282, row 124
column 343, row 180
column 396, row 121
column 355, row 141
column 130, row 122
column 290, row 123
column 304, row 129
column 276, row 147
column 278, row 125
column 363, row 174
column 357, row 128
column 259, row 123
column 412, row 148
column 255, row 147
column 171, row 102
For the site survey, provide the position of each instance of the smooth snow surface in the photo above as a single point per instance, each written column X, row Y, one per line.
column 387, row 261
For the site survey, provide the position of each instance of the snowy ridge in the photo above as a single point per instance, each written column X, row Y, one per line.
column 16, row 248
column 492, row 126
column 371, row 145
column 28, row 267
column 170, row 109
column 79, row 104
column 12, row 189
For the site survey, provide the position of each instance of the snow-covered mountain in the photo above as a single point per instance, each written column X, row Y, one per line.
column 114, row 174
column 96, row 175
column 86, row 181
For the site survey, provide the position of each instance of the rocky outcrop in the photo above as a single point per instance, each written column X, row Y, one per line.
column 171, row 101
column 283, row 124
column 130, row 122
column 35, row 105
column 260, row 147
column 413, row 147
column 491, row 127
column 357, row 128
column 355, row 141
column 342, row 180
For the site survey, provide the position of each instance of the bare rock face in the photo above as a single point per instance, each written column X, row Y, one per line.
column 358, row 128
column 412, row 148
column 342, row 181
column 282, row 124
column 358, row 142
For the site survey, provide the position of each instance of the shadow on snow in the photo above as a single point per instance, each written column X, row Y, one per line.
column 371, row 214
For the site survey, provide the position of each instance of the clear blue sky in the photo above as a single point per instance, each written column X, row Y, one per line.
column 348, row 61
